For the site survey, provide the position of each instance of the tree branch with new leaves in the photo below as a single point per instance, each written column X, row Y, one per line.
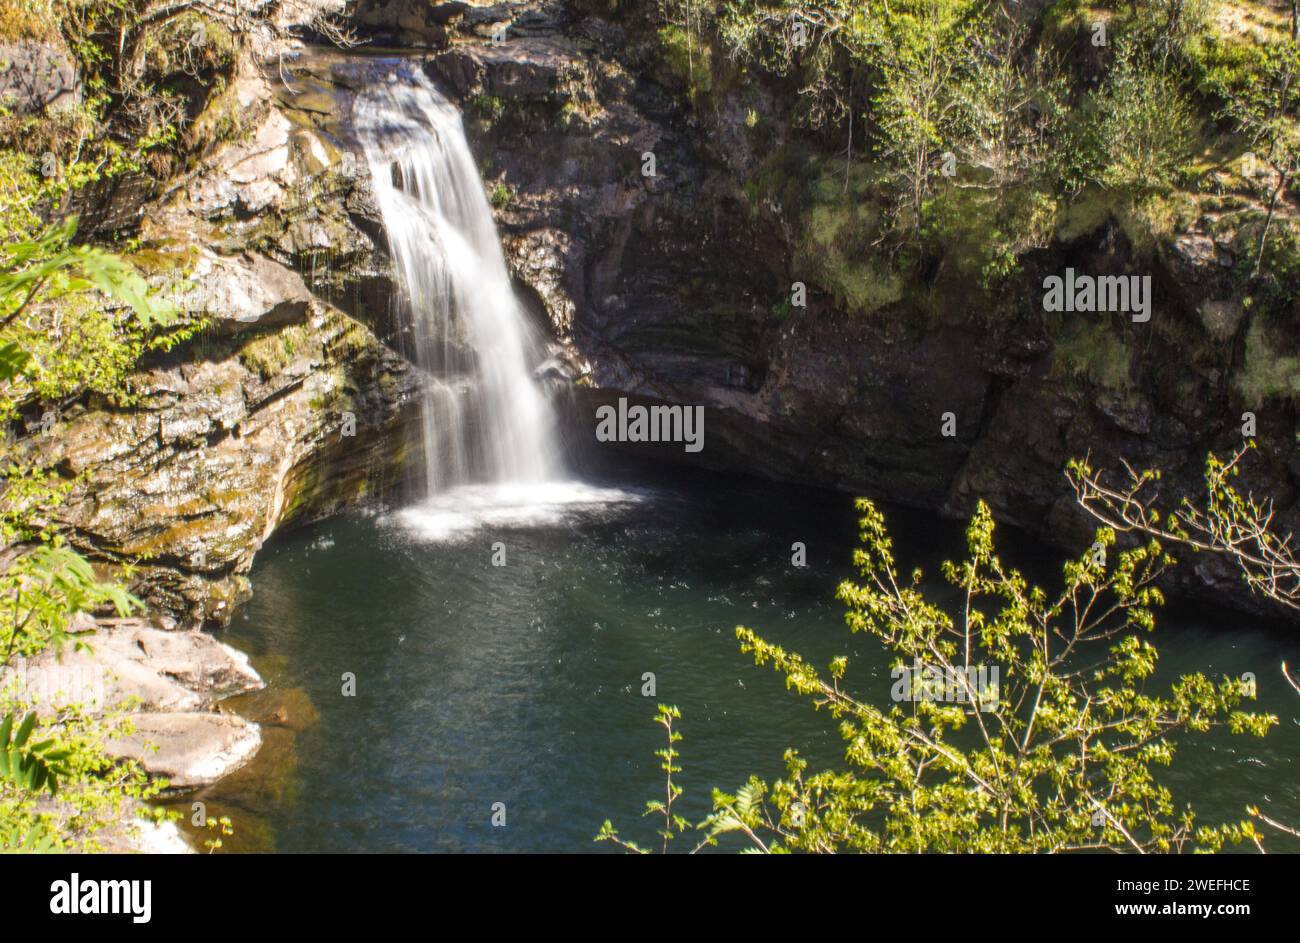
column 1059, row 752
column 1238, row 527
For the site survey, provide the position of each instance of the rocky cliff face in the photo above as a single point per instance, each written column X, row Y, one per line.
column 675, row 286
column 672, row 286
column 283, row 408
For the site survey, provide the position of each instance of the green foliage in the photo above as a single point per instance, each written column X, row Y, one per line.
column 26, row 19
column 839, row 236
column 1267, row 109
column 1238, row 527
column 501, row 196
column 41, row 591
column 1269, row 373
column 272, row 352
column 58, row 337
column 98, row 794
column 76, row 319
column 29, row 766
column 1090, row 349
column 1011, row 99
column 1059, row 754
column 840, row 36
column 673, row 824
column 492, row 108
column 148, row 68
column 27, row 839
column 922, row 53
column 221, row 828
column 1144, row 125
column 51, row 264
column 688, row 62
column 64, row 752
column 1280, row 261
column 985, row 231
column 44, row 281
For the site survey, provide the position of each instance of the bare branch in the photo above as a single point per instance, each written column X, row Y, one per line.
column 1237, row 527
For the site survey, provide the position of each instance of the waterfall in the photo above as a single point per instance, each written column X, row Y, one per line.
column 484, row 418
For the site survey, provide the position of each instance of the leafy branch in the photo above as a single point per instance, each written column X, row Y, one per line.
column 1056, row 753
column 30, row 766
column 1240, row 528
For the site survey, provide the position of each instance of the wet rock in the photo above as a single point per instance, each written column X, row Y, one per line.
column 247, row 289
column 538, row 258
column 166, row 671
column 189, row 749
column 523, row 68
column 223, row 451
column 407, row 22
column 192, row 658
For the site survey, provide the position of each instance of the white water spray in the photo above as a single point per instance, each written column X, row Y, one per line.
column 485, row 420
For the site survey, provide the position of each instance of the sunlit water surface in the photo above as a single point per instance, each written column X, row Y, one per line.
column 522, row 683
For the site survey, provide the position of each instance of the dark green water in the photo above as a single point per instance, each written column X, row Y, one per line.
column 521, row 684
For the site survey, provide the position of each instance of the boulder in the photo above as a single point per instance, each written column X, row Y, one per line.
column 245, row 289
column 407, row 22
column 97, row 680
column 166, row 671
column 249, row 176
column 189, row 749
column 524, row 68
column 194, row 659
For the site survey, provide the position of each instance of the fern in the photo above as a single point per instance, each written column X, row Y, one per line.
column 29, row 766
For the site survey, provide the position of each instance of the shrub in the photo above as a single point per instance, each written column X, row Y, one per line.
column 1144, row 126
column 1058, row 753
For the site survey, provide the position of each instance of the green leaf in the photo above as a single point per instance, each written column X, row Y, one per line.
column 13, row 360
column 25, row 731
column 120, row 280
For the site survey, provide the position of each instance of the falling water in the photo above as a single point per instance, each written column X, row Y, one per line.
column 485, row 419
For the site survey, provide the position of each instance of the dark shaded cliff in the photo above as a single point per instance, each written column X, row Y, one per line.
column 674, row 287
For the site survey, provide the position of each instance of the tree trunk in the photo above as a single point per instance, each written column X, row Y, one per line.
column 1282, row 180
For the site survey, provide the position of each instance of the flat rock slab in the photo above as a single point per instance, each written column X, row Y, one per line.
column 98, row 680
column 246, row 289
column 192, row 658
column 189, row 748
column 525, row 68
column 171, row 676
column 166, row 671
